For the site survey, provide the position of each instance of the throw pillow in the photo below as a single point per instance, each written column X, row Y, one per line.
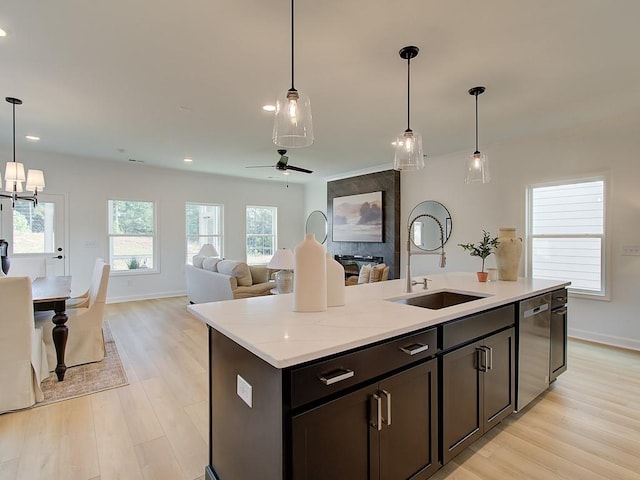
column 259, row 274
column 376, row 273
column 211, row 264
column 198, row 259
column 240, row 270
column 365, row 273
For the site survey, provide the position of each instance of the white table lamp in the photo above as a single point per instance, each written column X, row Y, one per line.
column 283, row 260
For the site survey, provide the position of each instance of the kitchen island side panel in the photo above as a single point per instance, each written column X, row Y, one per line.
column 245, row 442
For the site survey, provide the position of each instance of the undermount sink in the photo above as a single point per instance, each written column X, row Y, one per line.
column 438, row 300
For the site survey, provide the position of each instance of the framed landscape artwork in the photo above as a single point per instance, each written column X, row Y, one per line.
column 358, row 218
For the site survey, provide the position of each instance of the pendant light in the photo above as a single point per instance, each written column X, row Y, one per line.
column 477, row 164
column 408, row 145
column 292, row 126
column 14, row 172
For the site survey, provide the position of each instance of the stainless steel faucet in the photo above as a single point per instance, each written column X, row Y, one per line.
column 443, row 258
column 423, row 282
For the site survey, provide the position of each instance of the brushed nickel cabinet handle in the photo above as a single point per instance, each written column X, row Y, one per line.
column 415, row 348
column 336, row 376
column 377, row 406
column 387, row 398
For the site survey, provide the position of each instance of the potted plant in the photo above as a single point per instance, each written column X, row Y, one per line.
column 483, row 249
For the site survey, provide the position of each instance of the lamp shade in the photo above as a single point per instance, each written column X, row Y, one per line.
column 10, row 184
column 35, row 181
column 293, row 125
column 208, row 250
column 477, row 169
column 282, row 260
column 409, row 154
column 14, row 172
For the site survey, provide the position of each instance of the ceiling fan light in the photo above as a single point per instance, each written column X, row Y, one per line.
column 409, row 153
column 477, row 169
column 293, row 124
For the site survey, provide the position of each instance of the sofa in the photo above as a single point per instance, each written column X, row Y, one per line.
column 212, row 279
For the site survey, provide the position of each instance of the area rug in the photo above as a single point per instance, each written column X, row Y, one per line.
column 89, row 378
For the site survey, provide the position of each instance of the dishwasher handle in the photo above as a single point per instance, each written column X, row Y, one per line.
column 534, row 311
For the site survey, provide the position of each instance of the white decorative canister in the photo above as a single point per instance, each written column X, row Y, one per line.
column 335, row 282
column 310, row 279
column 508, row 254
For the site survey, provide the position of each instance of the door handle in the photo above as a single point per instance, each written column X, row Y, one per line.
column 482, row 358
column 377, row 406
column 387, row 398
column 59, row 257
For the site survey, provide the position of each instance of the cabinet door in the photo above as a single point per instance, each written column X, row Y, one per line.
column 409, row 442
column 558, row 361
column 461, row 400
column 499, row 378
column 332, row 440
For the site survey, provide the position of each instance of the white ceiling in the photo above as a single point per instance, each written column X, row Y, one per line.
column 160, row 80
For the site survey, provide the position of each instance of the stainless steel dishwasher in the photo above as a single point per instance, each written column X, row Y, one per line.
column 534, row 343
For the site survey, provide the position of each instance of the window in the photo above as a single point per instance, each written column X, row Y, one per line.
column 204, row 225
column 132, row 236
column 261, row 234
column 33, row 227
column 566, row 234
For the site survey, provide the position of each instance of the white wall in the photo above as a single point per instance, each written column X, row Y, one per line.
column 89, row 183
column 609, row 146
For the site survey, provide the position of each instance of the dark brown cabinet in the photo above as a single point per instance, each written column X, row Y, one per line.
column 386, row 431
column 478, row 390
column 558, row 348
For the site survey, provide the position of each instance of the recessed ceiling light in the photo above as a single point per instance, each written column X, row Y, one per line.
column 33, row 138
column 3, row 33
column 188, row 160
column 269, row 108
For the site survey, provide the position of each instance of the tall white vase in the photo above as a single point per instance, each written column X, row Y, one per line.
column 508, row 254
column 335, row 282
column 310, row 279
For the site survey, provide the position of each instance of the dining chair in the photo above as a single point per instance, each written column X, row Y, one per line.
column 85, row 343
column 23, row 359
column 82, row 300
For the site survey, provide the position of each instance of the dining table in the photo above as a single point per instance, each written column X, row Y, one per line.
column 52, row 293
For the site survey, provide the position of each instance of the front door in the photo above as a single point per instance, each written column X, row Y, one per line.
column 36, row 236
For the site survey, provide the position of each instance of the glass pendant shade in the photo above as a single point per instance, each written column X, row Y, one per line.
column 409, row 154
column 477, row 169
column 293, row 125
column 35, row 181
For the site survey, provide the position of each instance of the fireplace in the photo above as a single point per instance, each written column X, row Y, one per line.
column 352, row 263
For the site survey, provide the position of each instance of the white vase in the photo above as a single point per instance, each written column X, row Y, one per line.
column 310, row 279
column 508, row 254
column 335, row 282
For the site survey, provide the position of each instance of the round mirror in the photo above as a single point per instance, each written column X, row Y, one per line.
column 424, row 231
column 317, row 224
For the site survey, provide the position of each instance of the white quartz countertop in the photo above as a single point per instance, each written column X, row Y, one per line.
column 268, row 327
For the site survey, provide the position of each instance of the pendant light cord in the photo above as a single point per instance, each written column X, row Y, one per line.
column 14, row 133
column 477, row 122
column 409, row 93
column 292, row 44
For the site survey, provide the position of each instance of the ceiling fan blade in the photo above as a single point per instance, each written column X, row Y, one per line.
column 299, row 169
column 259, row 166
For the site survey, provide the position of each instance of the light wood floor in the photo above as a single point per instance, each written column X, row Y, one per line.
column 586, row 426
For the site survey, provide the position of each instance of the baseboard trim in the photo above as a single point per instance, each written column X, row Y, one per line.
column 611, row 340
column 149, row 296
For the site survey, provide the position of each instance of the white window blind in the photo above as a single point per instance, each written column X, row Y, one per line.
column 567, row 234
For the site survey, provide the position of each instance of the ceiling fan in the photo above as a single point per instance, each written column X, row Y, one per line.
column 282, row 165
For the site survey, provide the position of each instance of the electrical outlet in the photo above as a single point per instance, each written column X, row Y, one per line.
column 631, row 250
column 244, row 390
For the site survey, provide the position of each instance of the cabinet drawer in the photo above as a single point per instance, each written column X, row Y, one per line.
column 558, row 298
column 464, row 330
column 326, row 377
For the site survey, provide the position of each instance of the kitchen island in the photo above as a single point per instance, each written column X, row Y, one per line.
column 363, row 390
